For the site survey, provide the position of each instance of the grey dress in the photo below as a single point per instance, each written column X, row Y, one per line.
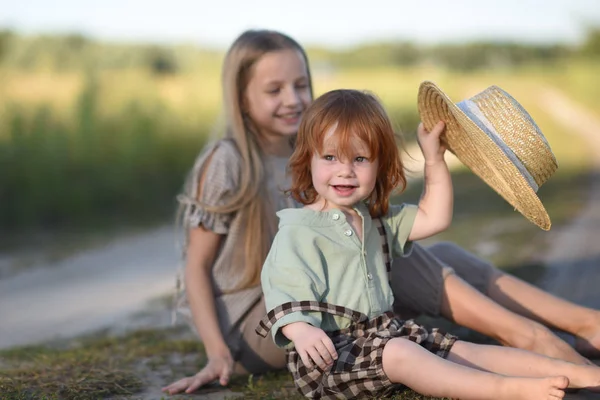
column 221, row 180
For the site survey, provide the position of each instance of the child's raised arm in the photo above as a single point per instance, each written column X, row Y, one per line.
column 435, row 207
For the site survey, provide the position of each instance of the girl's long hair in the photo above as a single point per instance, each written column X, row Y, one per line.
column 252, row 198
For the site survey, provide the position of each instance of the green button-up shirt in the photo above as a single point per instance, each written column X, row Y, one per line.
column 316, row 255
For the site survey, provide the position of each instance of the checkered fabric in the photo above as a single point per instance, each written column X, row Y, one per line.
column 387, row 259
column 358, row 370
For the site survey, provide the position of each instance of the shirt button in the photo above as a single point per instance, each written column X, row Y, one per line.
column 335, row 217
column 348, row 232
column 370, row 276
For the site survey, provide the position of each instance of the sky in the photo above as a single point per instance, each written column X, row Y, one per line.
column 331, row 23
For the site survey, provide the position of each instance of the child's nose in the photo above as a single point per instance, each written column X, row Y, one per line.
column 345, row 169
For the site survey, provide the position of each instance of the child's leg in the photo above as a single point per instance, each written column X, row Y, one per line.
column 410, row 364
column 517, row 362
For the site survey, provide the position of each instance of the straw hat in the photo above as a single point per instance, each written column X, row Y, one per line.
column 493, row 135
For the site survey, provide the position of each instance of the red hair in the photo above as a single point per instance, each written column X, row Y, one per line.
column 353, row 114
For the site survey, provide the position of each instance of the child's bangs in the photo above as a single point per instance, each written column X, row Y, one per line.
column 348, row 130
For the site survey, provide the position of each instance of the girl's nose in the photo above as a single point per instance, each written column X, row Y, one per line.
column 291, row 97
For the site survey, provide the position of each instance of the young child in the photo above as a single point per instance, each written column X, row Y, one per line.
column 325, row 279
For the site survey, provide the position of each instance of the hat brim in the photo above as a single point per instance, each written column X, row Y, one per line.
column 474, row 148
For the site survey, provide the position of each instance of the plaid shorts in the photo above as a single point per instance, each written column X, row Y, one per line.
column 358, row 371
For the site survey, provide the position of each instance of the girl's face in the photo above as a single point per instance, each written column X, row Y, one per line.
column 277, row 93
column 341, row 183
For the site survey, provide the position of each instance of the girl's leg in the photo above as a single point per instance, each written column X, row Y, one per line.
column 526, row 300
column 517, row 362
column 468, row 307
column 410, row 364
column 257, row 355
column 423, row 283
column 542, row 306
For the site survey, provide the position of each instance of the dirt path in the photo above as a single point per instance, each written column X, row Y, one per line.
column 574, row 259
column 92, row 290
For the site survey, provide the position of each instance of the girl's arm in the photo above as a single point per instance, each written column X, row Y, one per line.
column 202, row 250
column 435, row 207
column 201, row 253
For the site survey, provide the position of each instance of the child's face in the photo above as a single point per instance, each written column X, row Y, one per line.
column 278, row 93
column 341, row 182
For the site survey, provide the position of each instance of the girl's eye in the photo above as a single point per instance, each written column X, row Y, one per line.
column 361, row 159
column 328, row 157
column 274, row 91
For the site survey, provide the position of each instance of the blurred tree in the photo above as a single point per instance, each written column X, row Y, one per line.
column 161, row 61
column 6, row 38
column 591, row 45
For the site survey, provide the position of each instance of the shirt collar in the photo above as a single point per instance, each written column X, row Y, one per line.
column 306, row 216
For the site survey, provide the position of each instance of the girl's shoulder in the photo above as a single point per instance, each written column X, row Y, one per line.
column 219, row 156
column 221, row 151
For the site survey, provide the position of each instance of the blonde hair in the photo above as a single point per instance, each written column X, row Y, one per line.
column 252, row 197
column 353, row 114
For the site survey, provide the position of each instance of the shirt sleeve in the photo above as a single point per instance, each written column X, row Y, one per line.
column 400, row 220
column 292, row 272
column 216, row 178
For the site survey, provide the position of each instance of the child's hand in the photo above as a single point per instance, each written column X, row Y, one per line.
column 430, row 143
column 312, row 344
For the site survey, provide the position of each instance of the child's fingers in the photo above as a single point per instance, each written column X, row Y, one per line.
column 305, row 359
column 316, row 357
column 437, row 130
column 330, row 348
column 324, row 353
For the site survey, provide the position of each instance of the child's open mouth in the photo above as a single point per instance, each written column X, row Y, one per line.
column 344, row 190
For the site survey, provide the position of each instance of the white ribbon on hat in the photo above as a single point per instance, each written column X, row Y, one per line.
column 471, row 110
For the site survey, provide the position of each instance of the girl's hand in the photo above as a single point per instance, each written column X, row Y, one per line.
column 430, row 143
column 312, row 344
column 218, row 367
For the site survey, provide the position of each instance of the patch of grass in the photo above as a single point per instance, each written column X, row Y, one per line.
column 279, row 385
column 93, row 367
column 100, row 366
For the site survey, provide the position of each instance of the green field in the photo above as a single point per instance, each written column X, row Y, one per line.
column 113, row 147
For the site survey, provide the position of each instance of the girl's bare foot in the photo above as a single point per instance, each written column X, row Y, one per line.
column 533, row 388
column 590, row 346
column 548, row 344
column 587, row 340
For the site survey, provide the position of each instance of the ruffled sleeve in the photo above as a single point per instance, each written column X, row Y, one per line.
column 218, row 170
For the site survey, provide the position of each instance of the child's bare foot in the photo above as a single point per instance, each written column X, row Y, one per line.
column 534, row 388
column 584, row 377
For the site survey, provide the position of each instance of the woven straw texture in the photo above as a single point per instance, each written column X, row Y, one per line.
column 483, row 156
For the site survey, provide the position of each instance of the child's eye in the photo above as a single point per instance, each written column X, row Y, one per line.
column 273, row 91
column 361, row 159
column 328, row 157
